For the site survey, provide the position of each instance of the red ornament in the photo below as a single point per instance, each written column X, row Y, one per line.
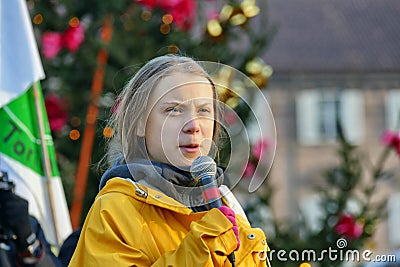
column 348, row 227
column 73, row 37
column 56, row 113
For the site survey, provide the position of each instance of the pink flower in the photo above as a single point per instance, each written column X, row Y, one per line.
column 73, row 37
column 55, row 112
column 51, row 44
column 249, row 170
column 348, row 227
column 260, row 148
column 392, row 139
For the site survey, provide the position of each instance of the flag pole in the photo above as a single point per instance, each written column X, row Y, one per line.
column 90, row 128
column 45, row 157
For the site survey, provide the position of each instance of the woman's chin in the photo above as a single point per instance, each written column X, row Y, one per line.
column 184, row 162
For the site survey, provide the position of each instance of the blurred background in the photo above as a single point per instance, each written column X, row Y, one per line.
column 330, row 71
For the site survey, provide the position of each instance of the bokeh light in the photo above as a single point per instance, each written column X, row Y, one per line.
column 167, row 19
column 38, row 19
column 165, row 28
column 146, row 15
column 108, row 132
column 74, row 134
column 214, row 28
column 173, row 49
column 74, row 22
column 75, row 121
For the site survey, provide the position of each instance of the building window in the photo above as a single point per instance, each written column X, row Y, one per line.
column 326, row 118
column 316, row 112
column 393, row 109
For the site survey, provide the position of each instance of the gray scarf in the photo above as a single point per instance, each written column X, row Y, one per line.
column 170, row 180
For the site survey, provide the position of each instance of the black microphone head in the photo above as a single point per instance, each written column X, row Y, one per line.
column 203, row 165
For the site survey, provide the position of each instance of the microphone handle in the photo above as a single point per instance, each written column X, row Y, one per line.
column 211, row 192
column 212, row 197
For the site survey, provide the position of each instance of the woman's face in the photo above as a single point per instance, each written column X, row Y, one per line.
column 180, row 124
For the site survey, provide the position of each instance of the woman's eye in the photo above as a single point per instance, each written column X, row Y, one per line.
column 173, row 110
column 205, row 110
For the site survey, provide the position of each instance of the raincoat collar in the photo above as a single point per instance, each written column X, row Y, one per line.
column 175, row 182
column 143, row 193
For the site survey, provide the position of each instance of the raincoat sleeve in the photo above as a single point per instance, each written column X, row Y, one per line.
column 208, row 243
column 108, row 240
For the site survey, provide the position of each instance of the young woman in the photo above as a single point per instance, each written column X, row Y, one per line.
column 150, row 211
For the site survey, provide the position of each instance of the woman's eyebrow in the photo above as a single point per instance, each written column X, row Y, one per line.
column 172, row 102
column 199, row 102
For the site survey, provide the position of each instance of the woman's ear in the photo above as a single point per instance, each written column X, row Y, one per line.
column 141, row 128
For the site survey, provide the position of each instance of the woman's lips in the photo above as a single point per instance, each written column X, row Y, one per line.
column 191, row 148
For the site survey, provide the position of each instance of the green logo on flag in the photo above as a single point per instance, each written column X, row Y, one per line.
column 20, row 137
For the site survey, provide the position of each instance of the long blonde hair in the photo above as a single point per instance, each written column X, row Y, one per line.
column 133, row 101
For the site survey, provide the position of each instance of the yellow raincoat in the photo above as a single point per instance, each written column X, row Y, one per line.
column 130, row 224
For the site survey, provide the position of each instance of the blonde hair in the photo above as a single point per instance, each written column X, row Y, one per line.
column 133, row 101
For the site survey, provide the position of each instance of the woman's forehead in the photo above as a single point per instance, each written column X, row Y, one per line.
column 182, row 87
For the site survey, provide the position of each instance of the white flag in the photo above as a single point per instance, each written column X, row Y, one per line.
column 21, row 150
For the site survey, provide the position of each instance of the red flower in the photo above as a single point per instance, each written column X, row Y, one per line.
column 348, row 227
column 55, row 112
column 73, row 37
column 51, row 44
column 148, row 3
column 260, row 148
column 168, row 5
column 249, row 170
column 392, row 139
column 182, row 11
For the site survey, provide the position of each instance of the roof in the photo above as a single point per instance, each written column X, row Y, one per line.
column 335, row 36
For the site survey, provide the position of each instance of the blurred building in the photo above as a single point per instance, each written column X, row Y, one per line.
column 330, row 55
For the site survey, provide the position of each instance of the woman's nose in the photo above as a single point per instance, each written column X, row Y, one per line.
column 192, row 126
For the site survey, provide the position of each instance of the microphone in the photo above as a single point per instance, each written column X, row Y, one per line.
column 204, row 169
